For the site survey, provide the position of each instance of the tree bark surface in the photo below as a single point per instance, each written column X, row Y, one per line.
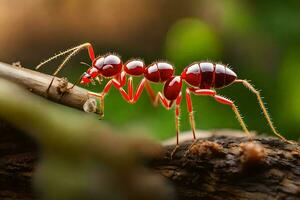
column 38, row 83
column 227, row 167
column 18, row 159
column 217, row 167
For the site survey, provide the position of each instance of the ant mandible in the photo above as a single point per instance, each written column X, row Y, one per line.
column 201, row 77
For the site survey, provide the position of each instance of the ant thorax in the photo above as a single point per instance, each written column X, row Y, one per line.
column 109, row 65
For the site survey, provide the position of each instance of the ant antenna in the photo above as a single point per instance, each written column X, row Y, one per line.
column 73, row 51
column 78, row 80
column 84, row 63
column 53, row 57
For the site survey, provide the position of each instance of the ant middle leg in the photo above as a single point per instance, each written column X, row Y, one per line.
column 144, row 84
column 117, row 84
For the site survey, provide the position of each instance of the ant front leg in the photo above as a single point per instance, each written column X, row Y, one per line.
column 117, row 84
column 222, row 100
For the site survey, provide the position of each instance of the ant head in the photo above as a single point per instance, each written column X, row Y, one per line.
column 85, row 79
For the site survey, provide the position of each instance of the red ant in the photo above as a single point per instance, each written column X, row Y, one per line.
column 201, row 77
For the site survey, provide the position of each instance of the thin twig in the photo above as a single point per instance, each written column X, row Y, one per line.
column 38, row 82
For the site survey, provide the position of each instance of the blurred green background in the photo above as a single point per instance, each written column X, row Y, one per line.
column 260, row 40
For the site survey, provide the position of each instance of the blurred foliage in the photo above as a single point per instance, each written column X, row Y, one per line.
column 289, row 77
column 259, row 39
column 191, row 39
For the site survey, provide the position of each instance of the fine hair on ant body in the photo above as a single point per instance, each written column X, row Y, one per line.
column 201, row 77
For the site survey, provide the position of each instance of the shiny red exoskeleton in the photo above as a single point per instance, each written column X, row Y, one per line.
column 201, row 79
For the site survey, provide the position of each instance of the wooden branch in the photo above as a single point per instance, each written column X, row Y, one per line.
column 227, row 167
column 38, row 83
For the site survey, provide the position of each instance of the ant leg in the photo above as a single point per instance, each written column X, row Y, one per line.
column 117, row 84
column 138, row 91
column 153, row 98
column 78, row 80
column 150, row 91
column 165, row 102
column 191, row 118
column 130, row 88
column 222, row 100
column 190, row 110
column 144, row 84
column 262, row 106
column 101, row 96
column 177, row 117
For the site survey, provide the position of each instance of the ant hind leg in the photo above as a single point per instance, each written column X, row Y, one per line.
column 223, row 100
column 262, row 106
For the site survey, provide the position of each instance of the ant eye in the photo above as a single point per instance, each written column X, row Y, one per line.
column 86, row 78
column 93, row 72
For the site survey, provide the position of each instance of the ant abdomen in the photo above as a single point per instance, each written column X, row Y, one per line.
column 159, row 72
column 207, row 75
column 224, row 76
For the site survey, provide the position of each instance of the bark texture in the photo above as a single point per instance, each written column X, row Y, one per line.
column 224, row 167
column 38, row 83
column 217, row 167
column 18, row 159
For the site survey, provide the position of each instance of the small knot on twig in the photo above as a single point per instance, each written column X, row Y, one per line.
column 252, row 154
column 90, row 106
column 206, row 148
column 17, row 64
column 62, row 86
